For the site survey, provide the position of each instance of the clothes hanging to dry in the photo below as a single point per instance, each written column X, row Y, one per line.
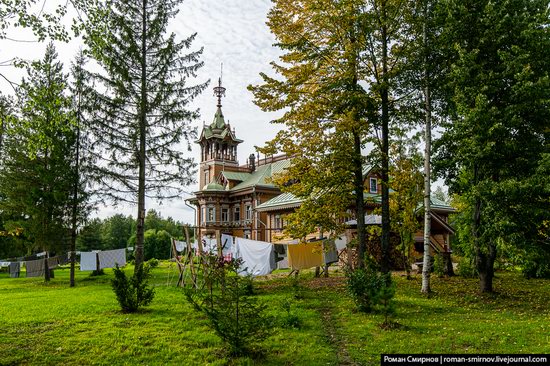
column 35, row 268
column 330, row 255
column 88, row 261
column 258, row 256
column 110, row 258
column 180, row 245
column 341, row 242
column 53, row 262
column 15, row 269
column 306, row 255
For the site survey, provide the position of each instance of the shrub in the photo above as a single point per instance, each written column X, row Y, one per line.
column 237, row 318
column 153, row 263
column 386, row 303
column 132, row 293
column 289, row 320
column 466, row 268
column 535, row 270
column 364, row 286
column 439, row 265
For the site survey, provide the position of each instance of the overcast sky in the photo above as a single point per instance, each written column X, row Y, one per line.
column 231, row 31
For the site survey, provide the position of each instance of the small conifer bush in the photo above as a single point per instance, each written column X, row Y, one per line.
column 132, row 292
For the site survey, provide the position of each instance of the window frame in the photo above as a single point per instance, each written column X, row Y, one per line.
column 375, row 185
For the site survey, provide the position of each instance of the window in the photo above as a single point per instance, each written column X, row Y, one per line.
column 373, row 185
column 225, row 214
column 248, row 209
column 203, row 214
column 206, row 176
column 237, row 213
column 247, row 234
column 278, row 223
column 210, row 214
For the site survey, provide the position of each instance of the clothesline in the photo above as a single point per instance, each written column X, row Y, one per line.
column 260, row 258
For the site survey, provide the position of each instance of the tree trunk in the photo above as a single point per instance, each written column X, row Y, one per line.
column 359, row 203
column 72, row 252
column 46, row 269
column 485, row 265
column 142, row 132
column 427, row 260
column 448, row 265
column 384, row 94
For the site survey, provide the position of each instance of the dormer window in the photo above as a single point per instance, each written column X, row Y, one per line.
column 373, row 185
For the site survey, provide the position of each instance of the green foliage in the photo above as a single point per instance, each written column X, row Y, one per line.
column 237, row 318
column 536, row 265
column 289, row 319
column 364, row 286
column 466, row 268
column 386, row 302
column 26, row 14
column 496, row 138
column 438, row 265
column 134, row 292
column 153, row 263
column 36, row 179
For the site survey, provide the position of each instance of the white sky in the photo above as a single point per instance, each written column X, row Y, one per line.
column 233, row 32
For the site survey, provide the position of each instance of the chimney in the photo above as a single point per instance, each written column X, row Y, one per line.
column 252, row 162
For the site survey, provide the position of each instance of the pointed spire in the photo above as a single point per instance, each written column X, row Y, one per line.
column 219, row 91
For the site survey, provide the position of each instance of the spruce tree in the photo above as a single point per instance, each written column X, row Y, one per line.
column 142, row 103
column 82, row 154
column 36, row 178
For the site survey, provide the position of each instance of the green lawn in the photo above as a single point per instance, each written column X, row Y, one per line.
column 51, row 323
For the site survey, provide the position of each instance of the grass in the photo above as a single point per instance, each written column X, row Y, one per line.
column 49, row 324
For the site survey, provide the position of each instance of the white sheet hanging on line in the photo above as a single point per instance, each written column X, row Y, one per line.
column 88, row 261
column 209, row 244
column 110, row 258
column 180, row 245
column 341, row 242
column 258, row 257
column 227, row 246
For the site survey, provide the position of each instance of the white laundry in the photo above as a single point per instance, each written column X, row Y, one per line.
column 180, row 245
column 227, row 245
column 88, row 261
column 209, row 245
column 258, row 257
column 110, row 258
column 341, row 242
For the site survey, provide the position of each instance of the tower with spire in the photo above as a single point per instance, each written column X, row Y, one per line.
column 218, row 144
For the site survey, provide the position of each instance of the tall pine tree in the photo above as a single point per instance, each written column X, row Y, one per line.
column 143, row 103
column 36, row 178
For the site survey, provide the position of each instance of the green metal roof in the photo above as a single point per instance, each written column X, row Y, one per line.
column 219, row 121
column 213, row 186
column 218, row 129
column 282, row 201
column 262, row 175
column 236, row 176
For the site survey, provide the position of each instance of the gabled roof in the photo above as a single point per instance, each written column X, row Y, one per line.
column 238, row 176
column 282, row 201
column 262, row 175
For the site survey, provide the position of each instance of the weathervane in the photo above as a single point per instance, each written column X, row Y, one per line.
column 219, row 91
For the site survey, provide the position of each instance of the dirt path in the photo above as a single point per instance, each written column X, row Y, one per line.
column 331, row 328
